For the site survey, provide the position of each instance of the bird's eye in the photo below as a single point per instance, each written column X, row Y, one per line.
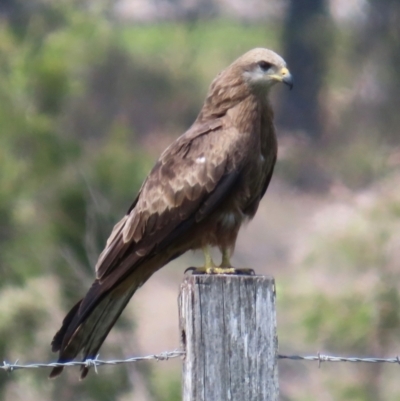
column 264, row 65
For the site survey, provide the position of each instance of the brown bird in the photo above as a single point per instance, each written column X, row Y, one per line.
column 203, row 187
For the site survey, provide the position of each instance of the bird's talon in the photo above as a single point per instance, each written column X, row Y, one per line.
column 190, row 269
column 245, row 271
column 197, row 270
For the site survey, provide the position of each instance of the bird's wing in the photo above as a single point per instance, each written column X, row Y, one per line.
column 188, row 182
column 268, row 178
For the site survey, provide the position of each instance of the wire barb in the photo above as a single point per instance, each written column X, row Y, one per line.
column 92, row 363
column 7, row 367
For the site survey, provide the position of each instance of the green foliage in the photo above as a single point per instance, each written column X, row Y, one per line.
column 45, row 197
column 199, row 48
column 168, row 386
column 351, row 305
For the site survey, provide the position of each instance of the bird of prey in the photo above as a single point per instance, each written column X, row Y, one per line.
column 203, row 187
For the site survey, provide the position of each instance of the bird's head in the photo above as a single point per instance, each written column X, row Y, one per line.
column 255, row 72
column 263, row 68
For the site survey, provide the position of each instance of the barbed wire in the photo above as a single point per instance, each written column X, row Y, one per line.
column 164, row 356
column 330, row 358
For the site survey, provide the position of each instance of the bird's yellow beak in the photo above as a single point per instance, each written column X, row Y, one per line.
column 284, row 76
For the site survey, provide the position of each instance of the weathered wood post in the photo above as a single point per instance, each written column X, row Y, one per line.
column 228, row 328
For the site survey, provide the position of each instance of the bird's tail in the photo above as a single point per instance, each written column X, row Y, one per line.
column 88, row 323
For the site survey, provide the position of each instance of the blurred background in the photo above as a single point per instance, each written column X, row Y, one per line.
column 92, row 91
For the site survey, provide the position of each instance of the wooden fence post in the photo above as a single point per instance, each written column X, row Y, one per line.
column 228, row 329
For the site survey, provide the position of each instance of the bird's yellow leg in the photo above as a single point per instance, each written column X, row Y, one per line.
column 224, row 268
column 226, row 265
column 208, row 261
column 226, row 258
column 209, row 266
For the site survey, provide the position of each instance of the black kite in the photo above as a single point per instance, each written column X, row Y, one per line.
column 203, row 187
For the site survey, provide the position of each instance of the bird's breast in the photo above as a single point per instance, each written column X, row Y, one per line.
column 257, row 169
